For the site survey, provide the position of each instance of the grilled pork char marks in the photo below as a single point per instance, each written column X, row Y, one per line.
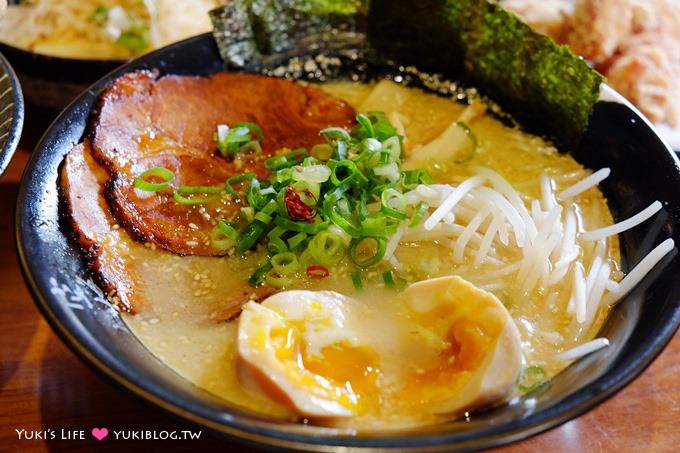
column 144, row 121
column 138, row 276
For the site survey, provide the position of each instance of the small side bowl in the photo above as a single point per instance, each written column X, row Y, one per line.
column 11, row 113
column 51, row 83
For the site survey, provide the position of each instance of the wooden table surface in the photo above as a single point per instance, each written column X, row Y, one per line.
column 44, row 386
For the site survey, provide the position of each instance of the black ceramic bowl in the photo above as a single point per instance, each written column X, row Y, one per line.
column 11, row 113
column 643, row 169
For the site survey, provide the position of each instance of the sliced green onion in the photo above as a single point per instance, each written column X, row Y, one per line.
column 302, row 187
column 300, row 227
column 207, row 194
column 335, row 133
column 219, row 240
column 358, row 250
column 393, row 204
column 393, row 147
column 327, row 248
column 247, row 176
column 248, row 213
column 276, row 163
column 277, row 245
column 334, row 195
column 344, row 221
column 252, row 145
column 249, row 236
column 162, row 173
column 314, row 173
column 265, row 215
column 256, row 196
column 259, row 275
column 473, row 141
column 388, row 278
column 382, row 127
column 273, row 278
column 389, row 171
column 296, row 240
column 351, row 188
column 341, row 150
column 285, row 263
column 352, row 173
column 362, row 209
column 532, row 378
column 419, row 214
column 365, row 126
column 356, row 281
column 322, row 151
column 227, row 230
column 378, row 226
column 243, row 177
column 238, row 138
column 297, row 155
column 252, row 127
column 411, row 179
column 276, row 232
column 305, row 259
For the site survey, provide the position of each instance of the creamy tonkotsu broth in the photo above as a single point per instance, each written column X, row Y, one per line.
column 181, row 329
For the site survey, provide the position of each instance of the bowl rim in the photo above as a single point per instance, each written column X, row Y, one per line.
column 575, row 404
column 25, row 53
column 17, row 123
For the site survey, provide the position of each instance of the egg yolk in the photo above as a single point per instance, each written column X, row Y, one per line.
column 340, row 372
column 469, row 321
column 327, row 355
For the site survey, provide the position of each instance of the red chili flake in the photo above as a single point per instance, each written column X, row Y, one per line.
column 298, row 209
column 317, row 271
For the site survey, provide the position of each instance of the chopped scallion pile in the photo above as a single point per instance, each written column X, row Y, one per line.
column 342, row 200
column 239, row 138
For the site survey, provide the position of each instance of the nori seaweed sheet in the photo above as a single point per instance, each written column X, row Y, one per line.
column 544, row 86
column 269, row 28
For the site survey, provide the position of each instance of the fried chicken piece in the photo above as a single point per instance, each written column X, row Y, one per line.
column 636, row 44
column 646, row 75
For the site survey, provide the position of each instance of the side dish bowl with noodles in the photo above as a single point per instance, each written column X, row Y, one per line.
column 101, row 29
column 59, row 48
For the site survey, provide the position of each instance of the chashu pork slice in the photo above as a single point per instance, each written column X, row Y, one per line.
column 144, row 121
column 143, row 278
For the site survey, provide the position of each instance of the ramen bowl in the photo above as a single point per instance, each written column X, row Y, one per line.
column 643, row 169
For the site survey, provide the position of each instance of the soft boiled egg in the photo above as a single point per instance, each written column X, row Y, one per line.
column 443, row 346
